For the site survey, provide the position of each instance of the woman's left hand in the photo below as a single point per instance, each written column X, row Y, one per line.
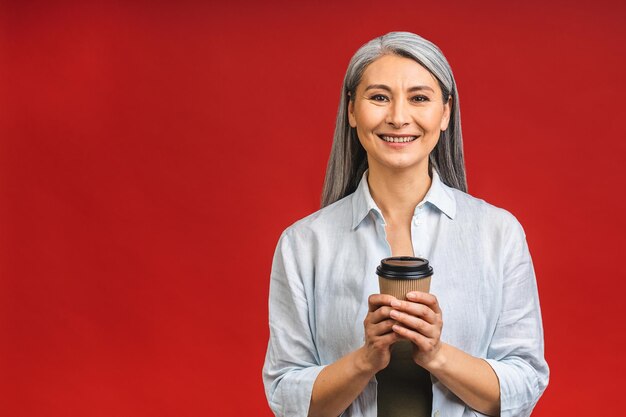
column 420, row 321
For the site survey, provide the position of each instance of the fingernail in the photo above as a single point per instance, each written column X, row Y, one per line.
column 393, row 314
column 395, row 303
column 411, row 295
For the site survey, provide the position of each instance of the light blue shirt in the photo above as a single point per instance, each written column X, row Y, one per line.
column 324, row 269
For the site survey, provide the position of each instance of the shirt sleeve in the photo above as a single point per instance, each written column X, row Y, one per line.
column 291, row 363
column 516, row 351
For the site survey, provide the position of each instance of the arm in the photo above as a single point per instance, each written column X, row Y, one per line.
column 296, row 383
column 291, row 363
column 516, row 349
column 470, row 378
column 341, row 382
column 514, row 374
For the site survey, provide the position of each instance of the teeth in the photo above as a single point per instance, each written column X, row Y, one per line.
column 398, row 140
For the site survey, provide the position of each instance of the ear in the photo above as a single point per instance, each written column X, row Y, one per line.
column 351, row 118
column 447, row 109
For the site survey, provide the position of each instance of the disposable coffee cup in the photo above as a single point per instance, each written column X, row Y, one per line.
column 400, row 275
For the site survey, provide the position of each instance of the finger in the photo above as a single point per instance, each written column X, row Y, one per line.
column 416, row 324
column 416, row 309
column 382, row 313
column 422, row 342
column 381, row 328
column 375, row 301
column 425, row 298
column 389, row 338
column 384, row 341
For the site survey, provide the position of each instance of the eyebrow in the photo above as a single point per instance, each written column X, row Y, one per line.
column 386, row 88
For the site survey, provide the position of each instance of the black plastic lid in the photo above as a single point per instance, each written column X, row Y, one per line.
column 404, row 267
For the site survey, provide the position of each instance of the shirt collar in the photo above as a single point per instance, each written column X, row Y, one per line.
column 439, row 195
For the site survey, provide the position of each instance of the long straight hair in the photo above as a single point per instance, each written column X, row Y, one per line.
column 348, row 159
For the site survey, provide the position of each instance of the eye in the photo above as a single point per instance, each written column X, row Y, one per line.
column 379, row 97
column 420, row 98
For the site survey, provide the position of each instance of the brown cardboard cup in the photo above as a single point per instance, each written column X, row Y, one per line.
column 402, row 274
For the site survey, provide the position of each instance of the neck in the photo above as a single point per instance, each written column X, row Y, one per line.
column 398, row 192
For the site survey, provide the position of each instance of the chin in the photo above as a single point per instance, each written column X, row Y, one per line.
column 401, row 165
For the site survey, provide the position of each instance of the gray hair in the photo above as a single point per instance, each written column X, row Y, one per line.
column 348, row 159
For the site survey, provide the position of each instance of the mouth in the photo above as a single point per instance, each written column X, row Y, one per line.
column 397, row 138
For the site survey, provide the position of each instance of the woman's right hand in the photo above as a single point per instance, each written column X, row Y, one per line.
column 376, row 352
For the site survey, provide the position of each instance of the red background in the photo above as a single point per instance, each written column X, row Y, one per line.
column 152, row 152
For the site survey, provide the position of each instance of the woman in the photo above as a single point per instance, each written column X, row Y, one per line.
column 395, row 185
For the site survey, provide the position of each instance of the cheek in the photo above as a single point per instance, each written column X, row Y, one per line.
column 364, row 138
column 367, row 116
column 433, row 119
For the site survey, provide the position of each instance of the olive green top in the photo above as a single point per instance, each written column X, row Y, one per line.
column 404, row 388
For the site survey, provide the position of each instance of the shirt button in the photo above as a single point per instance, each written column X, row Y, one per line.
column 416, row 221
column 436, row 413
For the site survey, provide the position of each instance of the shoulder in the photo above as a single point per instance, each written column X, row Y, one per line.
column 305, row 240
column 331, row 220
column 479, row 212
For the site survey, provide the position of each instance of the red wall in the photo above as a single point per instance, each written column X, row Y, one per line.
column 152, row 152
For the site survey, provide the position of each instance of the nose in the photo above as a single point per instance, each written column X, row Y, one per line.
column 398, row 114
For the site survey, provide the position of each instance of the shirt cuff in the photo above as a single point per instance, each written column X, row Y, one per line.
column 292, row 396
column 519, row 391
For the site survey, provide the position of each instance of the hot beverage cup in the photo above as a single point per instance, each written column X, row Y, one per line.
column 400, row 275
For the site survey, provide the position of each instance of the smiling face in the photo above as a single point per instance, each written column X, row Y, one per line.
column 398, row 113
